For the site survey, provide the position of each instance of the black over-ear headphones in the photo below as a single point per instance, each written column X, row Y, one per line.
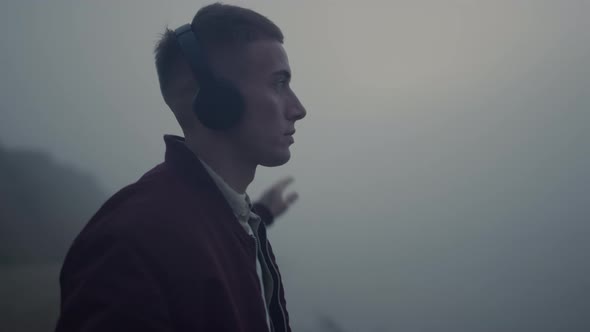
column 218, row 103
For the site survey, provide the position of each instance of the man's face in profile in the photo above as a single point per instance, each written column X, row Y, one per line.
column 272, row 108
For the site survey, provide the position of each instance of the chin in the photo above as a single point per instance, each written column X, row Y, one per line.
column 276, row 159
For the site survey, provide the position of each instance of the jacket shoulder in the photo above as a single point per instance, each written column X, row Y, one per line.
column 152, row 212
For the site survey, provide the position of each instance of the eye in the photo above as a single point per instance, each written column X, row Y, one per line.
column 281, row 83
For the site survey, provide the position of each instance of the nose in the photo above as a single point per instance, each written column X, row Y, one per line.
column 296, row 110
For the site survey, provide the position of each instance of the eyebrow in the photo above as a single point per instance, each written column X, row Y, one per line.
column 282, row 73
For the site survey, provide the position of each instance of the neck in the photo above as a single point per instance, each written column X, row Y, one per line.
column 222, row 159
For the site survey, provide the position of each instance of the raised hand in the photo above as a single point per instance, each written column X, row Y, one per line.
column 274, row 199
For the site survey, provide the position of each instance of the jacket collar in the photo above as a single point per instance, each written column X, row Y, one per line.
column 192, row 170
column 186, row 163
column 240, row 203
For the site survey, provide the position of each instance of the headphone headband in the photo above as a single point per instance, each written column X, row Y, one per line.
column 194, row 53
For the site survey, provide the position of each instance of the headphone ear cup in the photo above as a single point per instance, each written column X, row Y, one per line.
column 219, row 105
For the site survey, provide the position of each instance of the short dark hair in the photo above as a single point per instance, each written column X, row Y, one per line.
column 218, row 26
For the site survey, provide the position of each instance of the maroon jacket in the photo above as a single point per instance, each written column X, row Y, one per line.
column 167, row 254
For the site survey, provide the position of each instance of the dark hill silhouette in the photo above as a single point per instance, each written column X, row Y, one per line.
column 43, row 205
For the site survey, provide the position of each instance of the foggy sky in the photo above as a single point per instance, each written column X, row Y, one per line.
column 443, row 166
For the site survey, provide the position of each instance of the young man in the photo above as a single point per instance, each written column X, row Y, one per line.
column 182, row 249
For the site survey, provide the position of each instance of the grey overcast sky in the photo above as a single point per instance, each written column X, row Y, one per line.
column 443, row 166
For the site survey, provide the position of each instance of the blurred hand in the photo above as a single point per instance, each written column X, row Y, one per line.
column 273, row 198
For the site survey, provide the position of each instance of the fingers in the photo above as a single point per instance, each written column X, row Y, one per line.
column 291, row 198
column 283, row 183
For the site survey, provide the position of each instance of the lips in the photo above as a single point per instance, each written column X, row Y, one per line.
column 289, row 136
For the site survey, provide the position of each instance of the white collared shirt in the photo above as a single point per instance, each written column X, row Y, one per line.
column 241, row 207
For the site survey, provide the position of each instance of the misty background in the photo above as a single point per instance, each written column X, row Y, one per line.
column 443, row 166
